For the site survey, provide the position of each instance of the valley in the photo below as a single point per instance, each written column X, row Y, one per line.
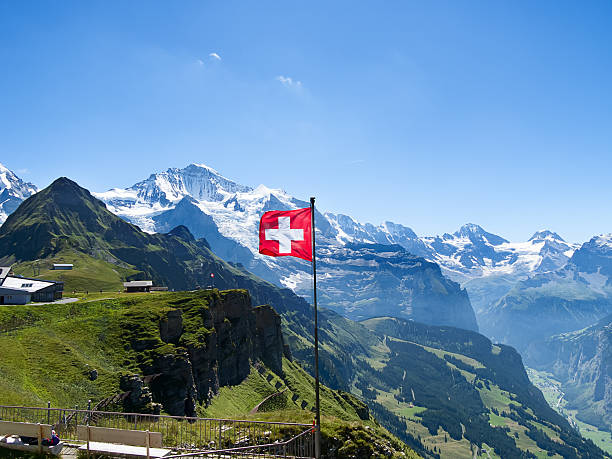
column 551, row 389
column 422, row 371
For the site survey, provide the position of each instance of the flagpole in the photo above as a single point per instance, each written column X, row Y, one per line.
column 316, row 337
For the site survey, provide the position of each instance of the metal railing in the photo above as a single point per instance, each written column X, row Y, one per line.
column 200, row 436
column 300, row 446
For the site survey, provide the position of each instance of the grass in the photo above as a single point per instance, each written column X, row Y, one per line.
column 49, row 351
column 551, row 388
column 496, row 398
column 497, row 421
column 89, row 273
column 601, row 438
column 411, row 412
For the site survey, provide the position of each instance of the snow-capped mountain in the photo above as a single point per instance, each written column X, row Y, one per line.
column 227, row 214
column 567, row 299
column 487, row 265
column 471, row 253
column 13, row 191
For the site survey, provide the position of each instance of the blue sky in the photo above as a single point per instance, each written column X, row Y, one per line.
column 430, row 114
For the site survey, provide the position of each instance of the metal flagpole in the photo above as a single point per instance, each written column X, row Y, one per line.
column 316, row 337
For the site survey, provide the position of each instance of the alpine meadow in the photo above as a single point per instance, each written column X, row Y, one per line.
column 316, row 230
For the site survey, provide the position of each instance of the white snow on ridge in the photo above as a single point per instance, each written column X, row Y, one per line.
column 603, row 240
column 236, row 209
column 14, row 190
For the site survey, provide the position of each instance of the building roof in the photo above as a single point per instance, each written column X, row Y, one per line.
column 63, row 264
column 25, row 284
column 4, row 271
column 138, row 284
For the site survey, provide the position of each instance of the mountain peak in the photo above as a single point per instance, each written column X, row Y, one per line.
column 475, row 233
column 13, row 191
column 602, row 240
column 62, row 182
column 471, row 228
column 205, row 167
column 542, row 235
column 62, row 215
column 182, row 232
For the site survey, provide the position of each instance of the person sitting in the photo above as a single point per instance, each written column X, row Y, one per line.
column 54, row 440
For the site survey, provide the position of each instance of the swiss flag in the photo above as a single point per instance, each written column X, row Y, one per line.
column 286, row 233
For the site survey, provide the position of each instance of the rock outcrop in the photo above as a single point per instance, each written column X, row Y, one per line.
column 137, row 397
column 204, row 343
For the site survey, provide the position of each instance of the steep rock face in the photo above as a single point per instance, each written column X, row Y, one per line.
column 205, row 346
column 137, row 397
column 368, row 280
column 270, row 338
column 582, row 361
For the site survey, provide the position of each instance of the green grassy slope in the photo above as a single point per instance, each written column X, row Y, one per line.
column 456, row 390
column 66, row 221
column 553, row 391
column 48, row 353
column 89, row 273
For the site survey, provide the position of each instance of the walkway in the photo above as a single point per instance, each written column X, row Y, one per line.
column 62, row 301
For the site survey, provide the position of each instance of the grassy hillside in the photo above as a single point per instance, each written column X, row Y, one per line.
column 443, row 391
column 48, row 353
column 89, row 273
column 457, row 391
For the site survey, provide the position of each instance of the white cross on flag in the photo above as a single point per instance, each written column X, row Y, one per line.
column 286, row 233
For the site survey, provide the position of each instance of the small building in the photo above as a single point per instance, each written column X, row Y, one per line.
column 62, row 266
column 39, row 290
column 22, row 290
column 14, row 296
column 138, row 286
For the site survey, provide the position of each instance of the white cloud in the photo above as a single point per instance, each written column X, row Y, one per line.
column 200, row 62
column 214, row 56
column 289, row 82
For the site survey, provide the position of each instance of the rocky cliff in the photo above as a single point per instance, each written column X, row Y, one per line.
column 582, row 361
column 198, row 344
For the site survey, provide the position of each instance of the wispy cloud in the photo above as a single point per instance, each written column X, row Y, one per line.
column 289, row 82
column 200, row 62
column 214, row 56
column 355, row 161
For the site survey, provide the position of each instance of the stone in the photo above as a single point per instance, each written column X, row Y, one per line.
column 171, row 328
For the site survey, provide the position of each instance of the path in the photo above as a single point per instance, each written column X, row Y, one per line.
column 254, row 410
column 62, row 301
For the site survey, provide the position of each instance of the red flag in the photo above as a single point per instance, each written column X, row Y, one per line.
column 286, row 233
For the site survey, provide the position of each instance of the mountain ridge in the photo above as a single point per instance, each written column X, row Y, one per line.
column 227, row 215
column 351, row 356
column 568, row 299
column 13, row 191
